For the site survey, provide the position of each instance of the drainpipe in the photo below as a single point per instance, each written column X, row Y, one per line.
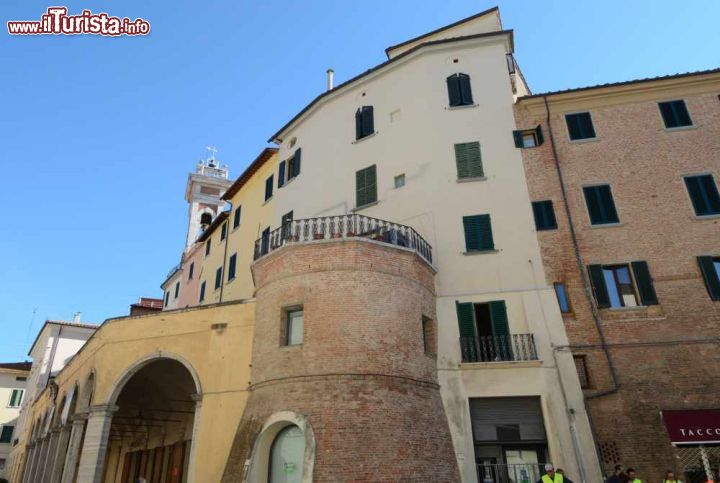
column 581, row 265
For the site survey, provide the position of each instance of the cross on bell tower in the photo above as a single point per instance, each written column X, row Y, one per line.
column 204, row 188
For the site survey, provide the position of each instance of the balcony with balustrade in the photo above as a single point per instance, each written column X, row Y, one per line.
column 343, row 227
column 504, row 348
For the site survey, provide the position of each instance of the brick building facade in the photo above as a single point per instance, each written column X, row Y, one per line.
column 644, row 335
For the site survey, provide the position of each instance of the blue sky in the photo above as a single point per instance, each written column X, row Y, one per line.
column 97, row 135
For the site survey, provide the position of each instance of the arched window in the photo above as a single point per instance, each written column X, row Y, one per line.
column 286, row 456
column 206, row 218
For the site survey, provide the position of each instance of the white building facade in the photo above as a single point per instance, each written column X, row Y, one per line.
column 13, row 377
column 426, row 140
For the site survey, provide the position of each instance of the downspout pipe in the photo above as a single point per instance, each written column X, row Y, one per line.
column 580, row 265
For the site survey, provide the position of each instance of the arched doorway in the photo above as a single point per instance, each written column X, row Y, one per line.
column 286, row 456
column 151, row 432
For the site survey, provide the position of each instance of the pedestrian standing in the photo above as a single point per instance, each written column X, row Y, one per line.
column 550, row 476
column 670, row 477
column 632, row 476
column 618, row 476
column 561, row 472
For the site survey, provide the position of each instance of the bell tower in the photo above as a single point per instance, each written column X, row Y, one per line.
column 204, row 188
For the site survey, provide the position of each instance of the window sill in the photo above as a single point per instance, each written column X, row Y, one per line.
column 267, row 201
column 359, row 208
column 627, row 309
column 234, row 229
column 547, row 229
column 470, row 180
column 289, row 181
column 680, row 128
column 713, row 216
column 365, row 137
column 457, row 108
column 291, row 346
column 481, row 252
column 231, row 280
column 606, row 225
column 584, row 140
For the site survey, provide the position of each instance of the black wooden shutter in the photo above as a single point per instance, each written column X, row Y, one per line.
column 518, row 138
column 368, row 122
column 712, row 281
column 296, row 162
column 539, row 135
column 281, row 174
column 236, row 219
column 644, row 283
column 465, row 90
column 453, row 85
column 466, row 319
column 358, row 124
column 371, row 184
column 486, row 236
column 597, row 280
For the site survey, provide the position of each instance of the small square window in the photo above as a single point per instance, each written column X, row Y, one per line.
column 675, row 114
column 429, row 337
column 16, row 397
column 600, row 205
column 582, row 372
column 529, row 140
column 400, row 180
column 703, row 194
column 6, row 435
column 293, row 327
column 580, row 126
column 544, row 215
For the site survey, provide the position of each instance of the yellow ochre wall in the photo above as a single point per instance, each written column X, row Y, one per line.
column 220, row 358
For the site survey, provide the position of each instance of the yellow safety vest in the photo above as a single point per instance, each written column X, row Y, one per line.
column 558, row 478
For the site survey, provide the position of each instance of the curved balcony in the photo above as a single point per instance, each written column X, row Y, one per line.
column 343, row 226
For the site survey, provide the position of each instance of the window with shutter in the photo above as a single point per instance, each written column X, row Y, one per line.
column 544, row 215
column 600, row 204
column 208, row 245
column 167, row 298
column 710, row 268
column 236, row 217
column 644, row 283
column 177, row 289
column 366, row 186
column 223, row 231
column 218, row 278
column 269, row 188
column 597, row 281
column 294, row 169
column 6, row 435
column 202, row 292
column 281, row 174
column 703, row 194
column 478, row 233
column 459, row 90
column 468, row 160
column 529, row 138
column 617, row 286
column 580, row 126
column 675, row 114
column 364, row 122
column 191, row 271
column 231, row 266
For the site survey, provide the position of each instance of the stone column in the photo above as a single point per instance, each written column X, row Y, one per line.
column 58, row 461
column 193, row 441
column 73, row 452
column 40, row 453
column 28, row 463
column 46, row 467
column 92, row 459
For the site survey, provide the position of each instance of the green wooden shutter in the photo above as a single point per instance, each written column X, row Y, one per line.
column 281, row 174
column 468, row 160
column 296, row 163
column 712, row 281
column 466, row 319
column 501, row 330
column 202, row 291
column 368, row 121
column 453, row 85
column 371, row 184
column 539, row 135
column 518, row 138
column 644, row 283
column 360, row 199
column 597, row 280
column 358, row 124
column 465, row 90
column 366, row 186
column 478, row 233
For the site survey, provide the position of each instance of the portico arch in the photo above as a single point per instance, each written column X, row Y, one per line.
column 146, row 426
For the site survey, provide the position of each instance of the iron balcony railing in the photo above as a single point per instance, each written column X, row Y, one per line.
column 343, row 226
column 527, row 473
column 514, row 347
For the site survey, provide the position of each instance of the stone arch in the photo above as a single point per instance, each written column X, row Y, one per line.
column 260, row 455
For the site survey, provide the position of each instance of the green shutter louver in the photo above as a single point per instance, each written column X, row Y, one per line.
column 366, row 186
column 597, row 281
column 710, row 276
column 501, row 330
column 453, row 86
column 465, row 89
column 478, row 233
column 644, row 283
column 466, row 319
column 468, row 160
column 296, row 162
column 281, row 174
column 518, row 139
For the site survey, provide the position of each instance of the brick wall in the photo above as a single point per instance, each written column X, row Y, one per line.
column 361, row 378
column 666, row 356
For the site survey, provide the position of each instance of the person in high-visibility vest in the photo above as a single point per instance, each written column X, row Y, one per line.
column 670, row 477
column 550, row 476
column 632, row 476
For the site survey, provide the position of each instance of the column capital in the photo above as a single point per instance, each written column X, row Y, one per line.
column 102, row 410
column 80, row 417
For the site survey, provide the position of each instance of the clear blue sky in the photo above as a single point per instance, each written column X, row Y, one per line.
column 97, row 135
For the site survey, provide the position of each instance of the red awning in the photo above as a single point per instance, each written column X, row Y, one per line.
column 700, row 426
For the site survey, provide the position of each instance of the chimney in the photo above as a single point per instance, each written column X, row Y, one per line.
column 76, row 317
column 330, row 73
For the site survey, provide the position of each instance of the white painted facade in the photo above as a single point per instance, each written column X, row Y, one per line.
column 11, row 382
column 415, row 133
